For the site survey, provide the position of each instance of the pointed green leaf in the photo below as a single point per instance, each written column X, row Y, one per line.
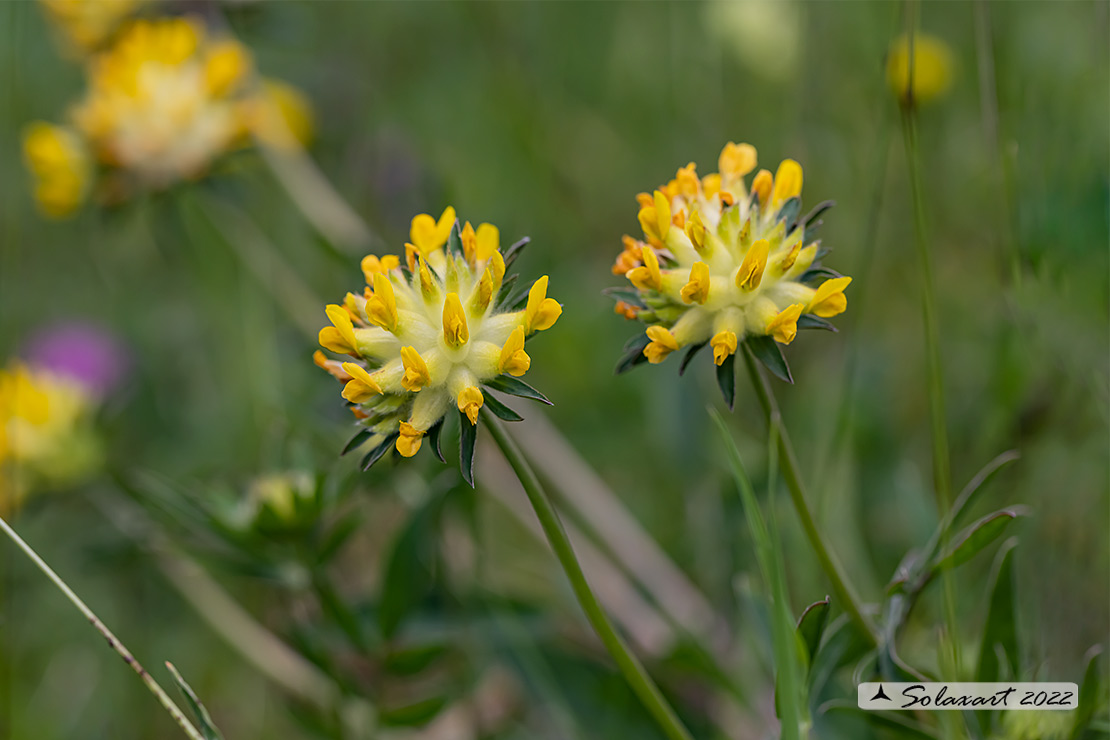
column 817, row 211
column 434, row 435
column 767, row 351
column 628, row 295
column 207, row 727
column 468, row 434
column 506, row 289
column 379, row 452
column 1000, row 632
column 510, row 254
column 818, row 274
column 974, row 538
column 411, row 715
column 356, row 441
column 982, row 478
column 789, row 211
column 518, row 299
column 809, row 321
column 516, row 387
column 1091, row 692
column 726, row 380
column 454, row 240
column 694, row 349
column 500, row 410
column 811, row 625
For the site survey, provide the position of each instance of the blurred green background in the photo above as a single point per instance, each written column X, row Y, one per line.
column 546, row 119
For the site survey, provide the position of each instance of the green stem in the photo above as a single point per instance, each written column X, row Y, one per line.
column 113, row 641
column 788, row 464
column 942, row 473
column 629, row 665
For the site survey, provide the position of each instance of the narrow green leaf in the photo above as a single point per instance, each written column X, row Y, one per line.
column 726, row 380
column 1091, row 692
column 506, row 289
column 974, row 538
column 207, row 726
column 789, row 211
column 356, row 441
column 809, row 321
column 633, row 353
column 767, row 351
column 518, row 298
column 628, row 295
column 694, row 349
column 454, row 240
column 434, row 435
column 379, row 452
column 999, row 631
column 811, row 625
column 468, row 434
column 510, row 254
column 516, row 387
column 819, row 273
column 500, row 410
column 898, row 724
column 978, row 483
column 412, row 660
column 818, row 211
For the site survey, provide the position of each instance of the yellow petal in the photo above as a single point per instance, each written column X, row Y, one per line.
column 470, row 403
column 736, row 160
column 362, row 387
column 662, row 214
column 541, row 312
column 341, row 321
column 662, row 344
column 455, row 330
column 695, row 230
column 784, row 326
column 381, row 307
column 469, row 241
column 751, row 269
column 829, row 300
column 932, row 69
column 488, row 241
column 427, row 234
column 416, row 370
column 788, row 181
column 762, row 185
column 723, row 344
column 513, row 359
column 408, row 444
column 697, row 290
column 225, row 65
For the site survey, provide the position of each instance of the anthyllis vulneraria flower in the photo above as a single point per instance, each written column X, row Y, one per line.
column 721, row 264
column 45, row 437
column 164, row 101
column 429, row 333
column 932, row 69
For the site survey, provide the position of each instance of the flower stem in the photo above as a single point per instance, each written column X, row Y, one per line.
column 788, row 464
column 629, row 665
column 113, row 641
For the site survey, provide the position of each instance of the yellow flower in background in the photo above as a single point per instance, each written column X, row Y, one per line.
column 164, row 101
column 721, row 263
column 59, row 163
column 86, row 24
column 44, row 435
column 435, row 334
column 932, row 69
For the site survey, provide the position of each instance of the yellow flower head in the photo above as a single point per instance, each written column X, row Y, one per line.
column 164, row 100
column 433, row 333
column 44, row 435
column 722, row 264
column 932, row 69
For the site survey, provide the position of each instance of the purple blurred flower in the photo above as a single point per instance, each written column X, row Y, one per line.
column 88, row 354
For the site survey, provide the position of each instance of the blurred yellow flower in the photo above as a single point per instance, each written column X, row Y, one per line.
column 44, row 435
column 164, row 101
column 426, row 337
column 86, row 24
column 932, row 69
column 59, row 163
column 720, row 263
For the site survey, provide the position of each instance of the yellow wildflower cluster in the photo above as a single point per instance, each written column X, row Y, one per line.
column 721, row 262
column 426, row 334
column 931, row 69
column 44, row 435
column 163, row 102
column 85, row 25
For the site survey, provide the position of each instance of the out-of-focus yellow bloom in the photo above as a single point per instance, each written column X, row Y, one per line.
column 280, row 116
column 426, row 339
column 44, row 437
column 59, row 163
column 720, row 263
column 164, row 101
column 279, row 493
column 86, row 24
column 932, row 69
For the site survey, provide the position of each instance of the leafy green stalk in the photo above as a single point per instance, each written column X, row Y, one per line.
column 633, row 671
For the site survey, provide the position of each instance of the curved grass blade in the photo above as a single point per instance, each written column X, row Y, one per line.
column 207, row 726
column 999, row 631
column 516, row 387
column 1091, row 692
column 811, row 626
column 974, row 538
